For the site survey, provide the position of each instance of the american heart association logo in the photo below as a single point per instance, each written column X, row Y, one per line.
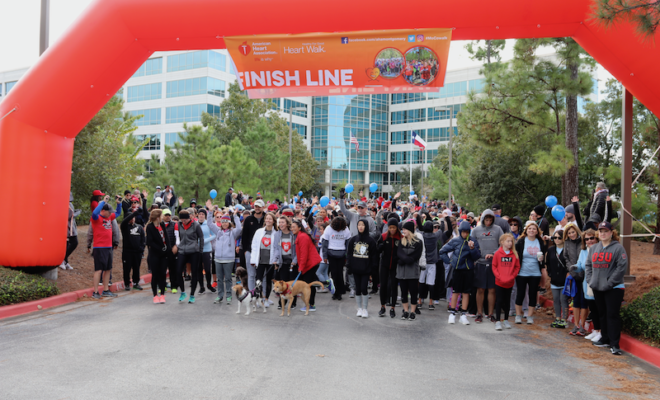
column 286, row 246
column 373, row 73
column 266, row 242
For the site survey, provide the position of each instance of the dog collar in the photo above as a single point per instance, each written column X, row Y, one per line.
column 288, row 288
column 244, row 295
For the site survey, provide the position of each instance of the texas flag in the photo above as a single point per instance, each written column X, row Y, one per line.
column 418, row 141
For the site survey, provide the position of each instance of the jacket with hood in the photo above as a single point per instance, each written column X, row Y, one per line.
column 276, row 253
column 501, row 222
column 308, row 256
column 487, row 236
column 410, row 259
column 463, row 257
column 556, row 266
column 388, row 246
column 433, row 241
column 209, row 235
column 159, row 246
column 520, row 227
column 571, row 253
column 72, row 227
column 599, row 205
column 606, row 266
column 505, row 268
column 191, row 240
column 225, row 241
column 362, row 252
column 133, row 239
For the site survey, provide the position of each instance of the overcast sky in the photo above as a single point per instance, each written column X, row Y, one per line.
column 19, row 34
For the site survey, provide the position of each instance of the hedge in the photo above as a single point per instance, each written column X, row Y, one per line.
column 17, row 287
column 642, row 316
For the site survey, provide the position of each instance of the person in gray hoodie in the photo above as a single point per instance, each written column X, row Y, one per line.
column 488, row 236
column 190, row 248
column 604, row 270
column 225, row 252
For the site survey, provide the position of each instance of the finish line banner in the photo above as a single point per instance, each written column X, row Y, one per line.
column 327, row 64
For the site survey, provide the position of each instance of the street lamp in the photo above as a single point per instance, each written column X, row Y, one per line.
column 451, row 136
column 291, row 110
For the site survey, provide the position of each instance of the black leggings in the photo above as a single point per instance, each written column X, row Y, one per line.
column 171, row 267
column 71, row 244
column 206, row 265
column 158, row 267
column 609, row 308
column 131, row 262
column 389, row 285
column 425, row 290
column 361, row 284
column 439, row 290
column 309, row 277
column 336, row 271
column 266, row 282
column 409, row 286
column 595, row 315
column 182, row 260
column 521, row 289
column 503, row 301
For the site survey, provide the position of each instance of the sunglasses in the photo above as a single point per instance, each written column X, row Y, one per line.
column 589, row 239
column 513, row 224
column 556, row 238
column 135, row 202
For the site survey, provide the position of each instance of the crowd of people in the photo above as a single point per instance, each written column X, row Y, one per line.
column 390, row 67
column 420, row 72
column 410, row 254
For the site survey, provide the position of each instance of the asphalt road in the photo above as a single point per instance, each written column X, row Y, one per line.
column 130, row 348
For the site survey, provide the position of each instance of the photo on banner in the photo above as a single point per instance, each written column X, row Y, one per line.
column 326, row 64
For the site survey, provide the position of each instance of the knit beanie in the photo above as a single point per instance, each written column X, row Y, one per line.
column 539, row 210
column 184, row 215
column 393, row 221
column 409, row 225
column 569, row 209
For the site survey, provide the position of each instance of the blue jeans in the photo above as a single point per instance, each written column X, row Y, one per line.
column 223, row 272
column 322, row 273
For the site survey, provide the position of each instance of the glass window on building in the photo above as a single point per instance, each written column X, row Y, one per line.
column 288, row 104
column 196, row 59
column 357, row 177
column 189, row 113
column 302, row 129
column 151, row 91
column 152, row 66
column 431, row 155
column 174, row 137
column 195, row 86
column 153, row 144
column 434, row 115
column 9, row 86
column 150, row 117
column 403, row 157
column 408, row 116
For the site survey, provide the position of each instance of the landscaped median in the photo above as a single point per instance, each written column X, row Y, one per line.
column 58, row 300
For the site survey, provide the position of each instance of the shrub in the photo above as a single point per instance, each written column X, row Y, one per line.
column 17, row 287
column 642, row 316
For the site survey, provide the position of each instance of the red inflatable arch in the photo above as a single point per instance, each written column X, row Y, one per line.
column 77, row 75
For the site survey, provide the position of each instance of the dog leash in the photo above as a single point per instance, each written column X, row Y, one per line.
column 296, row 280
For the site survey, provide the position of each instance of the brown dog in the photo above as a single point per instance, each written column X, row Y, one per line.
column 241, row 275
column 287, row 290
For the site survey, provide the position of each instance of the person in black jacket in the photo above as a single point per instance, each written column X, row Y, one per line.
column 388, row 244
column 250, row 225
column 228, row 197
column 557, row 271
column 362, row 256
column 160, row 248
column 133, row 248
column 410, row 253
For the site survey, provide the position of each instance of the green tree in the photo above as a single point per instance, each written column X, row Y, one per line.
column 644, row 14
column 105, row 156
column 488, row 54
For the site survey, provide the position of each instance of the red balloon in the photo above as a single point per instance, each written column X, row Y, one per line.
column 76, row 76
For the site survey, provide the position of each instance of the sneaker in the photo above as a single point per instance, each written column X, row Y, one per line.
column 512, row 313
column 63, row 265
column 137, row 287
column 518, row 319
column 352, row 294
column 201, row 292
column 304, row 309
column 616, row 351
column 417, row 310
column 182, row 297
column 382, row 312
column 313, row 308
column 479, row 318
column 471, row 315
column 229, row 300
column 530, row 320
column 452, row 318
column 538, row 307
column 555, row 323
column 107, row 293
column 96, row 295
column 411, row 317
column 436, row 302
column 365, row 313
column 331, row 286
column 279, row 306
column 359, row 313
column 392, row 313
column 191, row 299
column 464, row 320
column 404, row 315
column 498, row 326
column 174, row 291
column 211, row 288
column 68, row 266
column 431, row 307
column 601, row 344
column 506, row 324
column 597, row 337
column 127, row 288
column 186, row 278
column 492, row 318
column 162, row 299
column 217, row 300
column 581, row 332
column 450, row 310
column 324, row 290
column 591, row 335
column 574, row 331
column 562, row 324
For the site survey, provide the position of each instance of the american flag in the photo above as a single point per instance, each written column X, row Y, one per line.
column 355, row 142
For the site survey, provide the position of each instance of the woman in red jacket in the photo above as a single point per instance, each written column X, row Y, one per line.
column 506, row 266
column 308, row 259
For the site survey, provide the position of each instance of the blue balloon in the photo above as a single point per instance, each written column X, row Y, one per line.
column 213, row 193
column 239, row 207
column 300, row 193
column 349, row 188
column 291, row 206
column 558, row 212
column 551, row 201
column 324, row 201
column 373, row 187
column 333, row 198
column 412, row 192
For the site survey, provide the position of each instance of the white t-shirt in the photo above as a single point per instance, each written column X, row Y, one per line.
column 336, row 239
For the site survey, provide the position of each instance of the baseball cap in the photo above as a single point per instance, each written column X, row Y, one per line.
column 135, row 198
column 231, row 188
column 158, row 187
column 605, row 225
column 167, row 211
column 98, row 193
column 193, row 201
column 470, row 214
column 273, row 207
column 496, row 207
column 362, row 204
column 259, row 203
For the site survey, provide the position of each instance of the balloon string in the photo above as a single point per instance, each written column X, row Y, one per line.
column 12, row 110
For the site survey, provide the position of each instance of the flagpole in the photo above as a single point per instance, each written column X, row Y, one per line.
column 411, row 153
column 349, row 159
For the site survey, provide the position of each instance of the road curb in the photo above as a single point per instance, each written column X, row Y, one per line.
column 61, row 299
column 627, row 343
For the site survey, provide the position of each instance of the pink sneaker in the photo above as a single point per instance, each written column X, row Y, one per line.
column 162, row 299
column 156, row 300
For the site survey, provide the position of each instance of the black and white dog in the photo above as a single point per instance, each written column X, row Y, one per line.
column 250, row 297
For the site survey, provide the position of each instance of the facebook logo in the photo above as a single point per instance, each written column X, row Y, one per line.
column 344, row 40
column 411, row 38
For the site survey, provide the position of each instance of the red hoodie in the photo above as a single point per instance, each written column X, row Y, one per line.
column 306, row 252
column 505, row 268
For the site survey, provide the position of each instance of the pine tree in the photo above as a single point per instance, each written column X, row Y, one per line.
column 645, row 14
